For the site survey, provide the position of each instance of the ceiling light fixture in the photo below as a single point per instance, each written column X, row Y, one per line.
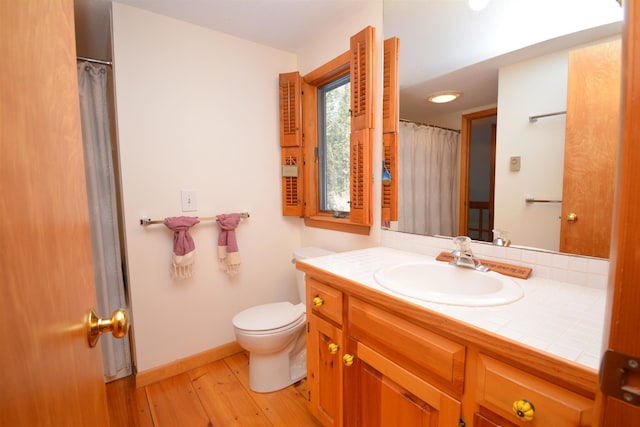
column 478, row 5
column 443, row 97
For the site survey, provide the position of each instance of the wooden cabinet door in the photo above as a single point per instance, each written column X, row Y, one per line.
column 324, row 371
column 390, row 396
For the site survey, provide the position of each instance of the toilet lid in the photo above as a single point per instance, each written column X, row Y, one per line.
column 268, row 316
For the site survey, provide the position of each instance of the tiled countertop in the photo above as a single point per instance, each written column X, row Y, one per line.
column 559, row 318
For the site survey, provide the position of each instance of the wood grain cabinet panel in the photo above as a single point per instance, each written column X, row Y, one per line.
column 324, row 371
column 420, row 351
column 388, row 396
column 500, row 385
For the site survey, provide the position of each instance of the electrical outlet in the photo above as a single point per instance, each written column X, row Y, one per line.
column 189, row 200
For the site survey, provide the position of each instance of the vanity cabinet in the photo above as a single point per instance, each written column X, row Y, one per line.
column 375, row 360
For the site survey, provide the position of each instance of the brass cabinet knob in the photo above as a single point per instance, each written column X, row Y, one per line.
column 572, row 217
column 348, row 359
column 333, row 348
column 317, row 301
column 118, row 325
column 523, row 409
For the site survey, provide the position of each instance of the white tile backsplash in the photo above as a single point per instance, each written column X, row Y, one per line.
column 578, row 270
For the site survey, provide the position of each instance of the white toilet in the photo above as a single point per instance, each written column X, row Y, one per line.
column 273, row 334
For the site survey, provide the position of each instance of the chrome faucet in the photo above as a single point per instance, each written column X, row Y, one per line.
column 463, row 256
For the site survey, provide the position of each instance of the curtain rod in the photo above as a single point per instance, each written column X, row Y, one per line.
column 428, row 125
column 97, row 61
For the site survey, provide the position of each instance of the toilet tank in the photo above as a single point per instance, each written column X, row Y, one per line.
column 304, row 253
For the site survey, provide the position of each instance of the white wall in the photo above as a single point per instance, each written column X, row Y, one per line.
column 537, row 86
column 198, row 109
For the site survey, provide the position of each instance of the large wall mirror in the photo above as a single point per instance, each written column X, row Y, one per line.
column 512, row 64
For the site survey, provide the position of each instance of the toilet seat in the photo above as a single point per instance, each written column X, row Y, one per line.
column 270, row 318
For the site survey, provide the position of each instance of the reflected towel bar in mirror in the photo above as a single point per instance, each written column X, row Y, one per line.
column 531, row 200
column 533, row 119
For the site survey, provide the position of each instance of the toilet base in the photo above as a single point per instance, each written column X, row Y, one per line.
column 272, row 372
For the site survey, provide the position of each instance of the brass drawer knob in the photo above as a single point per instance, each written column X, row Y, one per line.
column 572, row 217
column 318, row 302
column 348, row 359
column 333, row 348
column 524, row 409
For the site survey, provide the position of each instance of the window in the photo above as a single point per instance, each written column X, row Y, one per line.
column 334, row 129
column 326, row 153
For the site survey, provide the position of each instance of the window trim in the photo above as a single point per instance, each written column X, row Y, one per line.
column 322, row 91
column 314, row 217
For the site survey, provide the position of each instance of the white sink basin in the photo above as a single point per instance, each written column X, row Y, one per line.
column 448, row 284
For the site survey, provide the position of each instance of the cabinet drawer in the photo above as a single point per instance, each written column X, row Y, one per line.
column 329, row 304
column 500, row 385
column 428, row 355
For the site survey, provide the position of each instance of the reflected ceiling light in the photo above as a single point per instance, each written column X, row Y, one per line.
column 442, row 97
column 478, row 5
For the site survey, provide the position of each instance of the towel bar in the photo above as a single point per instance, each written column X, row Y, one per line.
column 149, row 221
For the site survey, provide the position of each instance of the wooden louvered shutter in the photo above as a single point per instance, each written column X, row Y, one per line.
column 390, row 95
column 360, row 177
column 362, row 124
column 390, row 120
column 290, row 110
column 390, row 191
column 291, row 144
column 361, row 68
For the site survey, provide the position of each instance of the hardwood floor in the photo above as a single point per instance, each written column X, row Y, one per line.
column 216, row 395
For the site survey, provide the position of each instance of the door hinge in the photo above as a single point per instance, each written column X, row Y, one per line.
column 615, row 370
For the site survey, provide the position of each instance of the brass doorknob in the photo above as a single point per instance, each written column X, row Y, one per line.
column 118, row 325
column 317, row 301
column 572, row 217
column 333, row 348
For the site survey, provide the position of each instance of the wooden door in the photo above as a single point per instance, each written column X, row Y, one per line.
column 591, row 142
column 49, row 376
column 465, row 178
column 623, row 297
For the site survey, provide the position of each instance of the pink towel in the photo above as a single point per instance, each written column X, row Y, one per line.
column 227, row 245
column 184, row 249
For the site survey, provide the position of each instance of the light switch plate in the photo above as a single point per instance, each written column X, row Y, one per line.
column 514, row 164
column 189, row 200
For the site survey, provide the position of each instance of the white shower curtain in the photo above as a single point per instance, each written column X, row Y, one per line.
column 101, row 194
column 429, row 180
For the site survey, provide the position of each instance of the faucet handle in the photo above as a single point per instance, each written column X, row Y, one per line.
column 463, row 242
